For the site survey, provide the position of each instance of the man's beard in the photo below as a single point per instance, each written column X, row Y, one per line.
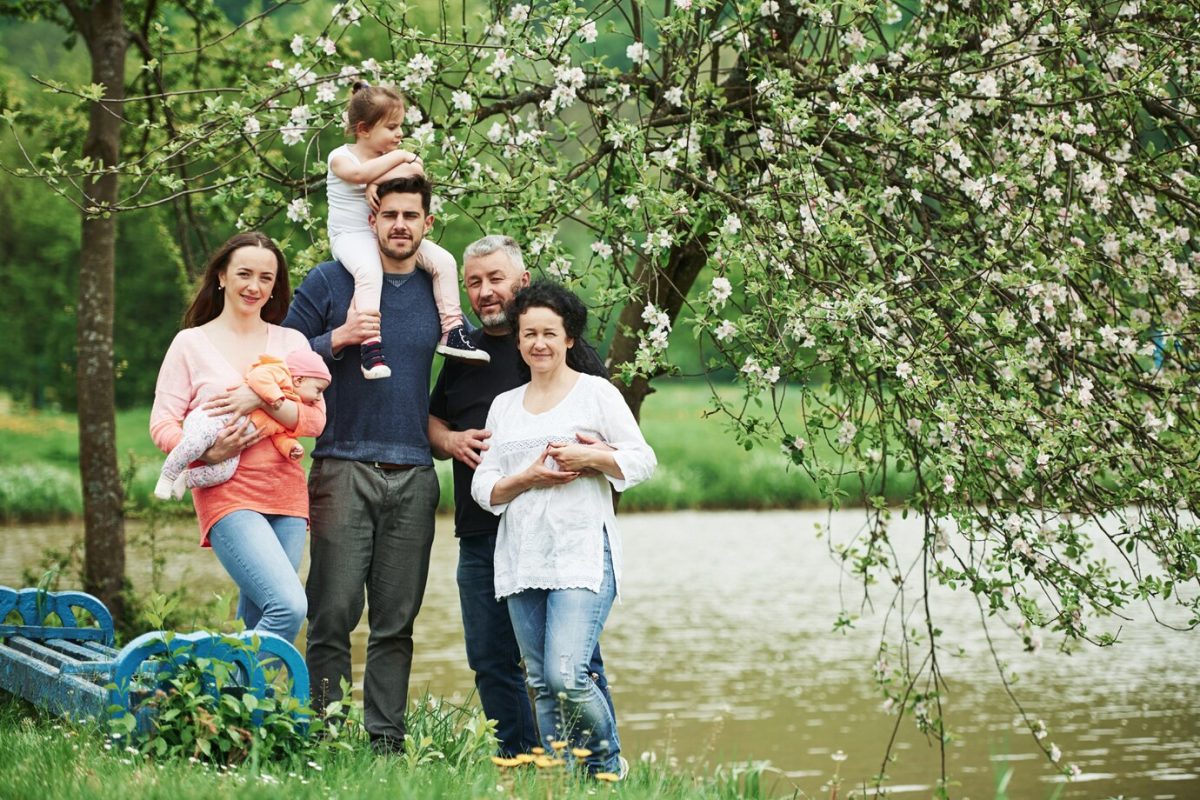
column 386, row 247
column 497, row 320
column 500, row 318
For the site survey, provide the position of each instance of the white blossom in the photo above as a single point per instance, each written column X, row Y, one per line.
column 326, row 92
column 501, row 65
column 251, row 126
column 636, row 53
column 560, row 268
column 424, row 134
column 731, row 225
column 462, row 101
column 631, row 201
column 420, row 70
column 602, row 249
column 519, row 13
column 587, row 32
column 674, row 96
column 721, row 290
column 297, row 45
column 769, row 9
column 660, row 239
column 326, row 45
column 299, row 210
column 724, row 330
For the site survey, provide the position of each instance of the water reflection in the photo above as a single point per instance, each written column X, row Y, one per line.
column 722, row 650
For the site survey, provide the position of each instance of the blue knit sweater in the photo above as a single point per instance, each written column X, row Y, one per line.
column 383, row 420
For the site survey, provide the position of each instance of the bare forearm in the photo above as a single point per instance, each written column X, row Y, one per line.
column 404, row 170
column 507, row 488
column 438, row 431
column 371, row 171
column 603, row 461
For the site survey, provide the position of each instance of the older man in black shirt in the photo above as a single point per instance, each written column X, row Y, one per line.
column 494, row 271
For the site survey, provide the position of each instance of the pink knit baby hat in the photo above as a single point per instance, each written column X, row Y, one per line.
column 307, row 364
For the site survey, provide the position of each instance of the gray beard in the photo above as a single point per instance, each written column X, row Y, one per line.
column 497, row 320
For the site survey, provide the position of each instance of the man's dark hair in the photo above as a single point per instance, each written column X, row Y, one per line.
column 413, row 184
column 563, row 302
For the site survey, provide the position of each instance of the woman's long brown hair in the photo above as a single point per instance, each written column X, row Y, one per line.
column 210, row 299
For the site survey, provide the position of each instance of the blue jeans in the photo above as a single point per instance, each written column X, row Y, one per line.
column 261, row 552
column 558, row 630
column 492, row 650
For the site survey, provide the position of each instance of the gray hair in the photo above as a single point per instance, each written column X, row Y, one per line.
column 493, row 243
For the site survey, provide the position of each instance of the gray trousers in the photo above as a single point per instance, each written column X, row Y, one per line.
column 372, row 528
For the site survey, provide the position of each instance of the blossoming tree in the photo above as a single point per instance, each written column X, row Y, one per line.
column 960, row 235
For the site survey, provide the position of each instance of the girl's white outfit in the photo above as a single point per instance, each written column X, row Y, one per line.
column 553, row 538
column 355, row 245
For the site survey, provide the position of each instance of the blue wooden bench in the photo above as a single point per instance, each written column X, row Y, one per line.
column 72, row 668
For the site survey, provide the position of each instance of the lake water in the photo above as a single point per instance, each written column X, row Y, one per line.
column 722, row 651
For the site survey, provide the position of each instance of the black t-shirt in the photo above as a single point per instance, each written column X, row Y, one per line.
column 462, row 396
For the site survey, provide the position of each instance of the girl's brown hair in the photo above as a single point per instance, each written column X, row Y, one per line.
column 210, row 297
column 371, row 104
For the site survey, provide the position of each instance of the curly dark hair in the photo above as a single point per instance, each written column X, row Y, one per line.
column 543, row 293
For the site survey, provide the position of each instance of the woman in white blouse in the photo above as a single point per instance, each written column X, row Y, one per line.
column 558, row 551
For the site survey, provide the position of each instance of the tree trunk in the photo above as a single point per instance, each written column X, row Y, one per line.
column 666, row 289
column 104, row 539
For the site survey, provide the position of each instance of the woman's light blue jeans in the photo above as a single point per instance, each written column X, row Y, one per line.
column 557, row 630
column 262, row 552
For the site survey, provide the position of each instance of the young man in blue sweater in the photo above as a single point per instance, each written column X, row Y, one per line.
column 372, row 488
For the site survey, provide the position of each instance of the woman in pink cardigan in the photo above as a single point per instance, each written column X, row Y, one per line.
column 255, row 522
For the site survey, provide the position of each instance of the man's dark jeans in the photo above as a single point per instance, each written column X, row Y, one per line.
column 492, row 650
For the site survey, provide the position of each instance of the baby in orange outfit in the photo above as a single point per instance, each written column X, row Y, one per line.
column 301, row 377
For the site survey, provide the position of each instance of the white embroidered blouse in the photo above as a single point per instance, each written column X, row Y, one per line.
column 552, row 538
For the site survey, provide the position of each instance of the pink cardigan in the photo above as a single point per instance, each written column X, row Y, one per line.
column 194, row 371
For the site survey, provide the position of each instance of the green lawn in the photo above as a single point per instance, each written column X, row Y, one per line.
column 701, row 465
column 49, row 758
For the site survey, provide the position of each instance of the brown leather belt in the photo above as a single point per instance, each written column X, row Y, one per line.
column 386, row 467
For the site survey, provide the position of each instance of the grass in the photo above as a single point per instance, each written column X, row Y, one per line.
column 50, row 758
column 701, row 465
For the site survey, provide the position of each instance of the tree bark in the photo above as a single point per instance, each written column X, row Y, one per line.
column 102, row 27
column 666, row 289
